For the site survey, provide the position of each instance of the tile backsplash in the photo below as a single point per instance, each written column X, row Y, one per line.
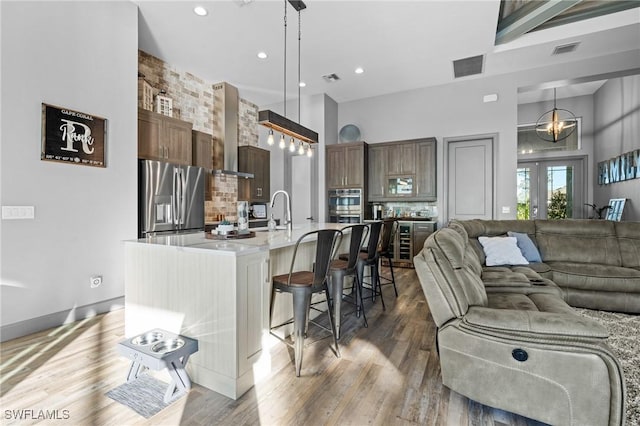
column 409, row 209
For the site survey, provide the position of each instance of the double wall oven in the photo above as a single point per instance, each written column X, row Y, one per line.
column 346, row 206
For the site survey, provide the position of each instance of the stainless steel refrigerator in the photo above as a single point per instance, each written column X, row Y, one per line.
column 171, row 198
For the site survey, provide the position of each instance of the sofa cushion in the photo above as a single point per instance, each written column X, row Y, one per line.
column 470, row 257
column 540, row 268
column 502, row 251
column 528, row 272
column 629, row 242
column 541, row 314
column 495, row 276
column 493, row 228
column 450, row 285
column 591, row 276
column 526, row 246
column 569, row 240
column 517, row 301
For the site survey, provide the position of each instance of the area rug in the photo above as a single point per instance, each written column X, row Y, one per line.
column 624, row 340
column 144, row 395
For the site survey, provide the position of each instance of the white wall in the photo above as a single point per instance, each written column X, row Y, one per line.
column 83, row 56
column 446, row 111
column 617, row 131
column 457, row 109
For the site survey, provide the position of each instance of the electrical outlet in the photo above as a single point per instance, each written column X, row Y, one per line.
column 18, row 212
column 95, row 281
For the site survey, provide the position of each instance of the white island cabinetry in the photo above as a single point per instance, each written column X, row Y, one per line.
column 216, row 292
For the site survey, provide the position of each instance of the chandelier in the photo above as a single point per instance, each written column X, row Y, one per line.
column 281, row 124
column 557, row 124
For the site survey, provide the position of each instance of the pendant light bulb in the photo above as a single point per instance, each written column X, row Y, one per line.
column 292, row 145
column 301, row 149
column 309, row 152
column 270, row 140
column 281, row 144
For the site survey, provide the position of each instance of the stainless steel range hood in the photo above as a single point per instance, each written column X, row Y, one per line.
column 229, row 126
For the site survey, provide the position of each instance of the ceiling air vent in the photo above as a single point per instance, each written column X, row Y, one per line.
column 468, row 66
column 565, row 48
column 331, row 78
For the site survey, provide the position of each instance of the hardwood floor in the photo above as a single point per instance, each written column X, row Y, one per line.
column 388, row 374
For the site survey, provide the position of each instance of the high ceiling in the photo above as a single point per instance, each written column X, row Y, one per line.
column 401, row 45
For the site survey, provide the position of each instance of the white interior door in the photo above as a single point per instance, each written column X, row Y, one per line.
column 300, row 189
column 470, row 179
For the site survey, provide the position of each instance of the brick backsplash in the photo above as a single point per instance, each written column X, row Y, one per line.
column 224, row 199
column 198, row 102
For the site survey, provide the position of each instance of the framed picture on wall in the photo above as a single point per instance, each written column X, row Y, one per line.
column 74, row 137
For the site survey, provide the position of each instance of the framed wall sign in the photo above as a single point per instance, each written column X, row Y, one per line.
column 73, row 137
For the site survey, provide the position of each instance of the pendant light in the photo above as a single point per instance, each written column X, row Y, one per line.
column 270, row 140
column 277, row 122
column 557, row 124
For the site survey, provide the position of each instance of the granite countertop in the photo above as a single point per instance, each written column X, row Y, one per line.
column 264, row 240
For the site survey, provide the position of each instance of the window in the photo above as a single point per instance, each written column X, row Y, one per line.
column 551, row 189
column 530, row 143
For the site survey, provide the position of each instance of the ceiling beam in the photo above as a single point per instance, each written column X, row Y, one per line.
column 530, row 16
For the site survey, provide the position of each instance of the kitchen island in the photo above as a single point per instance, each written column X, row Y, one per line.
column 215, row 291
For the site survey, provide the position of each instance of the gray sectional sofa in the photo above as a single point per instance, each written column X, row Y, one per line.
column 596, row 263
column 507, row 335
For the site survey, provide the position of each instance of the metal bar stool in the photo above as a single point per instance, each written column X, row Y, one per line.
column 370, row 257
column 389, row 229
column 302, row 284
column 341, row 268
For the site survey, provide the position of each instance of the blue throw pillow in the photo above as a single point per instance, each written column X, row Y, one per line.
column 526, row 246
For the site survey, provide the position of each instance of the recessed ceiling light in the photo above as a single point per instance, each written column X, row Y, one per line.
column 359, row 70
column 200, row 11
column 262, row 55
column 302, row 84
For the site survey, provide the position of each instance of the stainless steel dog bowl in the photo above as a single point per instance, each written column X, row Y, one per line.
column 168, row 345
column 147, row 338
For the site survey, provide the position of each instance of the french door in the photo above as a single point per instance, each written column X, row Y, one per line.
column 551, row 189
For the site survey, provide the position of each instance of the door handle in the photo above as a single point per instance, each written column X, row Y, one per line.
column 183, row 199
column 176, row 197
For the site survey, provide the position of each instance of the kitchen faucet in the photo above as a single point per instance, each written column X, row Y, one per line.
column 287, row 220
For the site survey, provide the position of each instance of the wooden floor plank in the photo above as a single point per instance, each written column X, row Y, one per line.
column 388, row 373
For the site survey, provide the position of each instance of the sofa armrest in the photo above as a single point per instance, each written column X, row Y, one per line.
column 511, row 321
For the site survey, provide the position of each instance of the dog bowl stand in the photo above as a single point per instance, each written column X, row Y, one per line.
column 174, row 360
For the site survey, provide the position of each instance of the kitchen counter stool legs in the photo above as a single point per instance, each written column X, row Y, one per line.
column 389, row 229
column 301, row 285
column 371, row 258
column 344, row 267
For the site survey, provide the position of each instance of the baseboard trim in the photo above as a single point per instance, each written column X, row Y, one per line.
column 34, row 325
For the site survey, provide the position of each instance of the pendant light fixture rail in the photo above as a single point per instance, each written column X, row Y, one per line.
column 290, row 128
column 277, row 122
